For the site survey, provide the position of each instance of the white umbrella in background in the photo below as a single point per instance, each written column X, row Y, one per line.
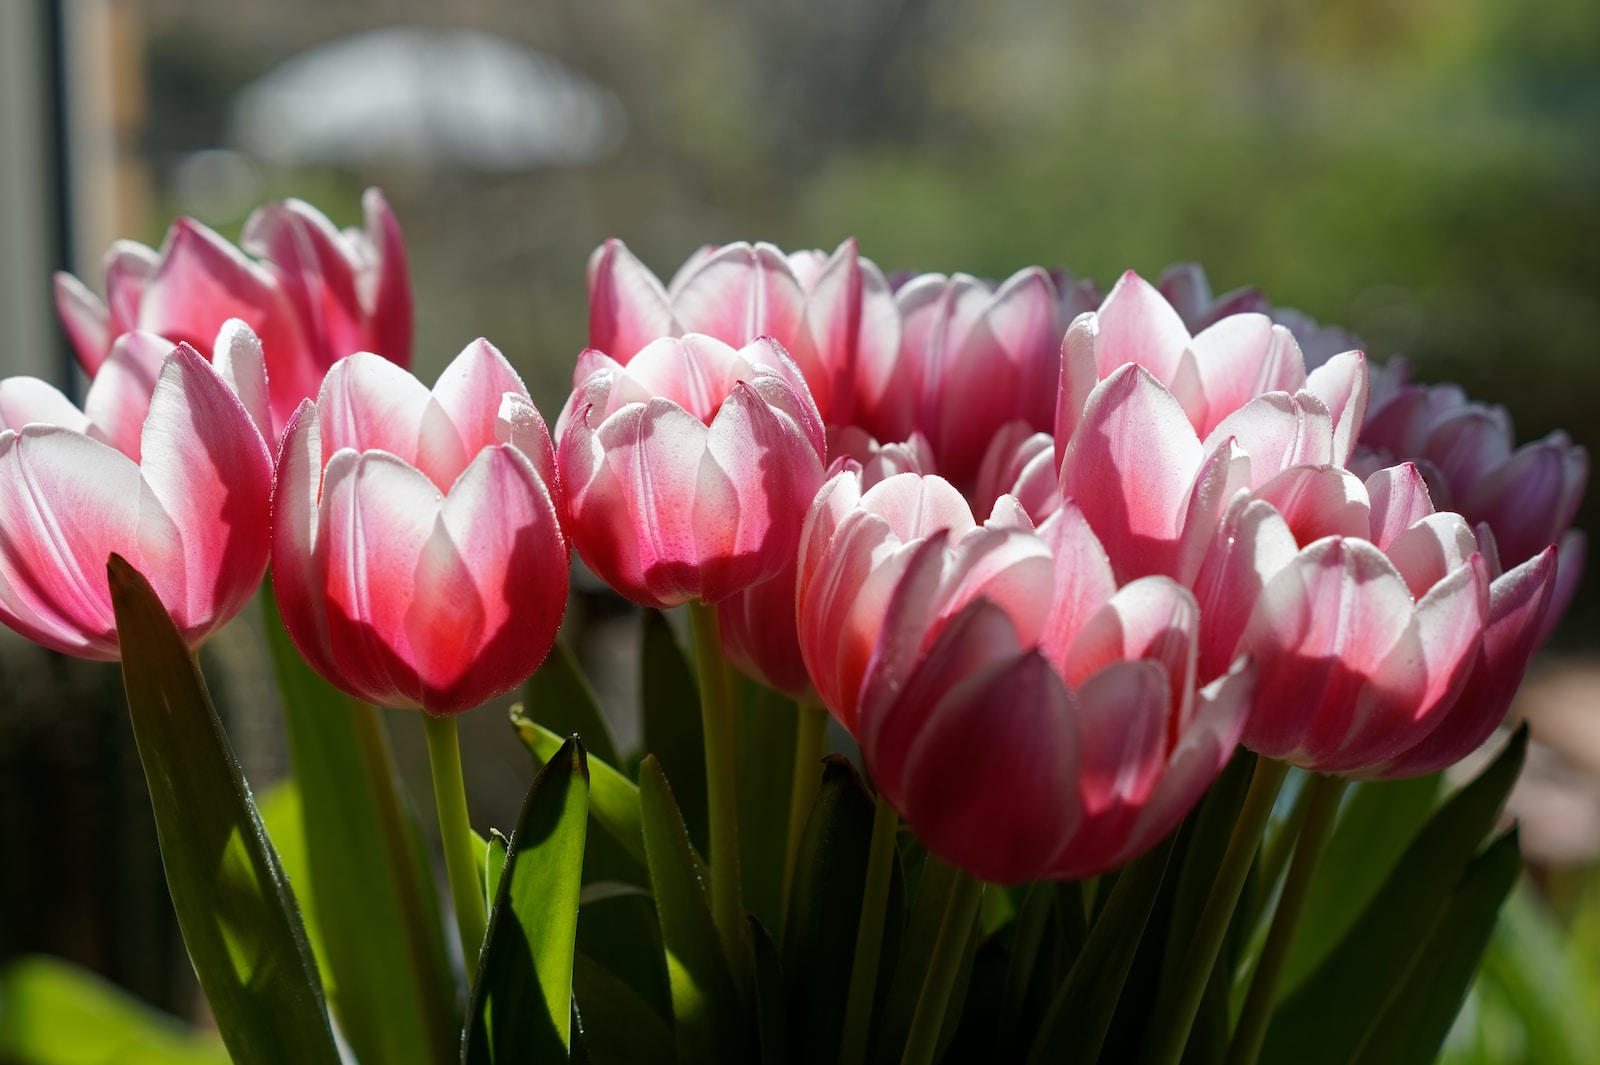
column 429, row 97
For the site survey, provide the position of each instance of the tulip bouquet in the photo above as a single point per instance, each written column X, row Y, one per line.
column 1069, row 676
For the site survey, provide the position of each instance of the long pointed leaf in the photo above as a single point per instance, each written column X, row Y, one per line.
column 1323, row 1020
column 709, row 1022
column 670, row 705
column 380, row 939
column 233, row 902
column 1078, row 1019
column 613, row 798
column 522, row 996
column 1414, row 1026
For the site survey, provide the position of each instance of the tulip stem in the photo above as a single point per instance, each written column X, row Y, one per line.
column 943, row 967
column 1321, row 811
column 455, row 834
column 1177, row 1005
column 869, row 934
column 810, row 744
column 718, row 725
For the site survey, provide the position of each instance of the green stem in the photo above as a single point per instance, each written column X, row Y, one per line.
column 943, row 967
column 716, row 709
column 869, row 934
column 455, row 833
column 810, row 744
column 401, row 855
column 1321, row 812
column 1176, row 1009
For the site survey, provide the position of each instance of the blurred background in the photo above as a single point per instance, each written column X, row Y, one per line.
column 1425, row 173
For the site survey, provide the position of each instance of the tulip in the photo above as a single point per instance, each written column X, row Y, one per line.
column 689, row 469
column 1467, row 451
column 165, row 466
column 418, row 553
column 1211, row 374
column 758, row 627
column 1363, row 608
column 320, row 295
column 1154, row 491
column 1025, row 716
column 960, row 358
column 807, row 301
column 1186, row 288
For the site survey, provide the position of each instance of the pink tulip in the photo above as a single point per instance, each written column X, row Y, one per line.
column 418, row 553
column 759, row 632
column 807, row 301
column 1211, row 374
column 165, row 466
column 1026, row 716
column 321, row 295
column 1154, row 491
column 959, row 358
column 689, row 469
column 1363, row 608
column 1467, row 451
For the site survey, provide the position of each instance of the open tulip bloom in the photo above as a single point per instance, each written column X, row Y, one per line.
column 1083, row 583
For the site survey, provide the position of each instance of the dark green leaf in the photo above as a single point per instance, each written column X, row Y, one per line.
column 619, row 934
column 1076, row 1025
column 1376, row 822
column 613, row 798
column 558, row 696
column 709, row 1023
column 236, row 910
column 522, row 996
column 1022, row 961
column 1414, row 1025
column 494, row 866
column 381, row 940
column 1325, row 1017
column 670, row 702
column 54, row 1013
column 934, row 882
column 619, row 1027
column 819, row 940
column 771, row 1010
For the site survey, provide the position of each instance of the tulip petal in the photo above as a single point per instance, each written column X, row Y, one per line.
column 390, row 305
column 1079, row 375
column 1399, row 498
column 1342, row 386
column 66, row 503
column 1253, row 544
column 1240, row 357
column 31, row 401
column 239, row 359
column 481, row 617
column 1138, row 325
column 1083, row 582
column 1319, row 501
column 1430, row 549
column 119, row 396
column 460, row 419
column 299, row 551
column 1129, row 467
column 128, row 267
column 367, row 403
column 1279, row 430
column 628, row 308
column 205, row 462
column 84, row 318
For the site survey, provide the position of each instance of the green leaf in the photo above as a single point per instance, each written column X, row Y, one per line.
column 235, row 908
column 1079, row 1017
column 1326, row 1016
column 522, row 996
column 1376, row 822
column 495, row 851
column 910, row 963
column 619, row 1027
column 709, row 1023
column 559, row 697
column 670, row 703
column 766, row 771
column 620, row 934
column 55, row 1013
column 613, row 798
column 1532, row 958
column 819, row 940
column 380, row 940
column 771, row 1007
column 1414, row 1025
column 284, row 819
